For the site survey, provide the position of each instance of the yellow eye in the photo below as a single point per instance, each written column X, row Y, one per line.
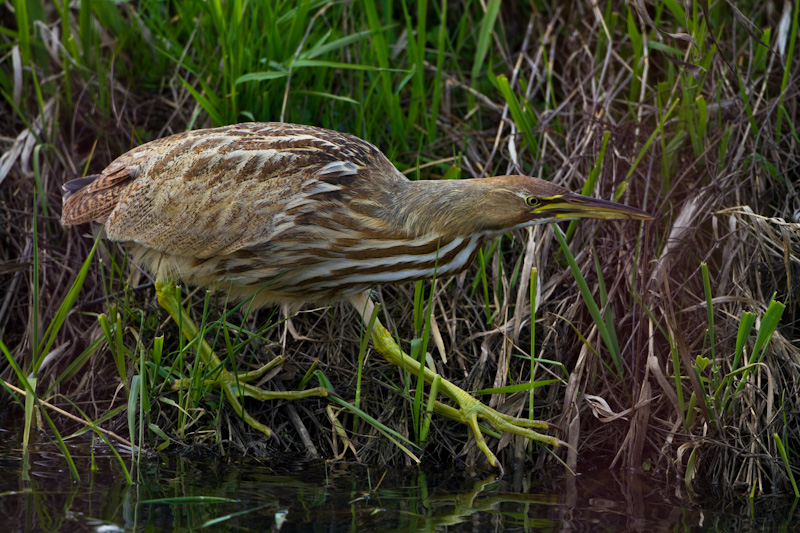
column 532, row 201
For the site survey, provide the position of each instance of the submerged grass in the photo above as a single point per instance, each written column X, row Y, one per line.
column 688, row 111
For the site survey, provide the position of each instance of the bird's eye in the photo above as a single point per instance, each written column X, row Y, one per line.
column 532, row 201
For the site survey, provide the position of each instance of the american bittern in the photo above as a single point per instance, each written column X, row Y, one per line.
column 291, row 214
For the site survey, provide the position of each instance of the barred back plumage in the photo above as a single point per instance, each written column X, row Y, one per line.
column 293, row 213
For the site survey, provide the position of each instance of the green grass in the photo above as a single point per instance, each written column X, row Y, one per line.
column 596, row 99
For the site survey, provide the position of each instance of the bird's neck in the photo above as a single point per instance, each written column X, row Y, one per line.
column 449, row 208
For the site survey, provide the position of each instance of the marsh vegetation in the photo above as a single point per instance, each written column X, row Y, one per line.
column 669, row 347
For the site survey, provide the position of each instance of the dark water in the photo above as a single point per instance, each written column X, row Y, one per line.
column 243, row 494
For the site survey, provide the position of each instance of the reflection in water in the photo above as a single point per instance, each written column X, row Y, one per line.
column 175, row 493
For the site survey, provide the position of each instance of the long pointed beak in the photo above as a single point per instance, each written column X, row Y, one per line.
column 572, row 205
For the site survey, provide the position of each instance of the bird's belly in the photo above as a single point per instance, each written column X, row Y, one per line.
column 278, row 277
column 355, row 272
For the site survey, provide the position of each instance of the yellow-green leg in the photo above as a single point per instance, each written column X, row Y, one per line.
column 232, row 384
column 469, row 409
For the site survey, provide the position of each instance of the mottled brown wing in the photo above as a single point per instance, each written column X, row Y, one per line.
column 93, row 198
column 209, row 193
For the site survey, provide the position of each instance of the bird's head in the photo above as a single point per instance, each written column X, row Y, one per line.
column 519, row 201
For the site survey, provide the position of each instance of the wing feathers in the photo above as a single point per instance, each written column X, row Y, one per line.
column 94, row 197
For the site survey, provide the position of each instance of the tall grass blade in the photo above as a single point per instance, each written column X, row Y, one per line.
column 362, row 351
column 30, row 410
column 765, row 331
column 788, row 68
column 66, row 306
column 532, row 300
column 710, row 318
column 786, row 463
column 588, row 299
column 745, row 327
column 484, row 40
column 133, row 401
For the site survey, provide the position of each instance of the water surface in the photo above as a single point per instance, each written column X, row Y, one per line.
column 245, row 494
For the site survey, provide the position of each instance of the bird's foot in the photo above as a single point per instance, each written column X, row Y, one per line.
column 242, row 377
column 233, row 384
column 470, row 410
